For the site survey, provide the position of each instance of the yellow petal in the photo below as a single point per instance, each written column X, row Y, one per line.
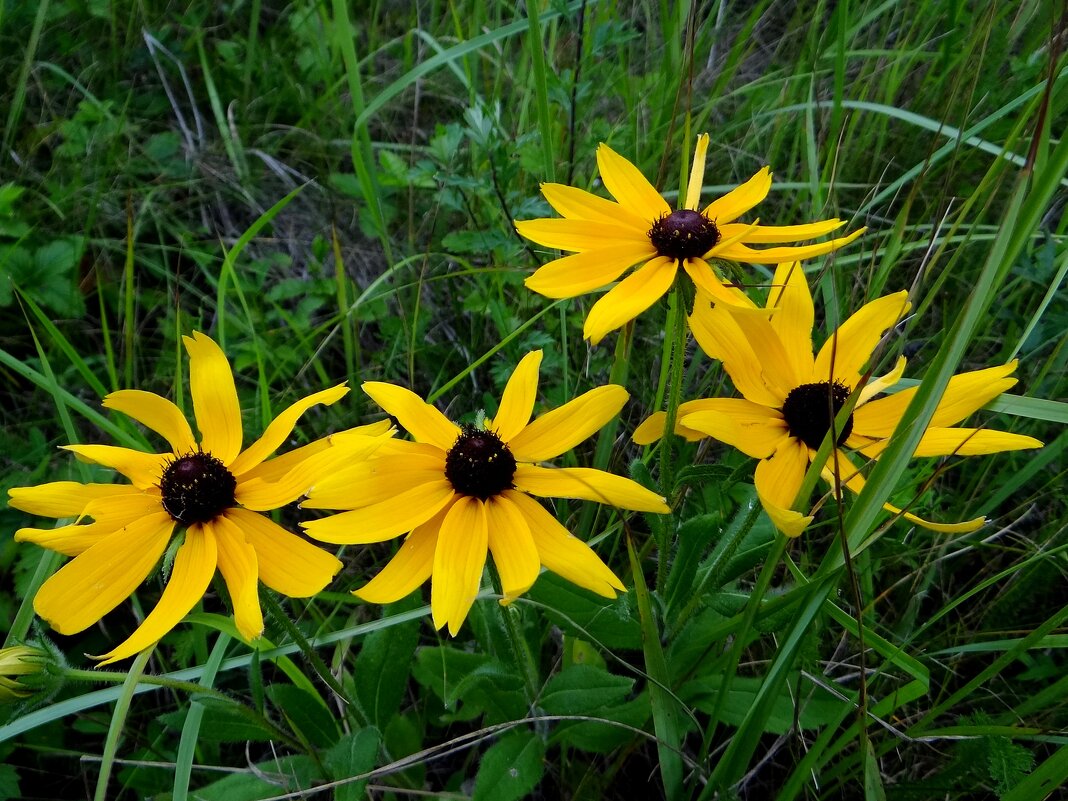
column 63, row 498
column 409, row 568
column 740, row 252
column 92, row 584
column 143, row 469
column 960, row 442
column 109, row 515
column 510, row 542
column 517, row 402
column 68, row 540
column 582, row 235
column 287, row 563
column 578, row 204
column 716, row 331
column 374, row 480
column 459, row 558
column 880, row 384
column 194, row 565
column 629, row 298
column 789, row 296
column 706, row 279
column 846, row 352
column 753, row 429
column 854, row 481
column 418, row 417
column 771, row 234
column 965, row 393
column 697, row 173
column 281, row 427
column 778, row 481
column 386, row 519
column 561, row 429
column 652, row 428
column 239, row 568
column 589, row 485
column 158, row 414
column 584, row 272
column 562, row 553
column 779, row 371
column 211, row 385
column 740, row 199
column 274, row 469
column 629, row 186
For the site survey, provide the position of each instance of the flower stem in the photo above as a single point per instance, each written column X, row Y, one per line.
column 675, row 358
column 118, row 720
column 520, row 649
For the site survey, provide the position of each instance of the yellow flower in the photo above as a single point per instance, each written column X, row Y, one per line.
column 211, row 488
column 791, row 396
column 18, row 660
column 641, row 228
column 460, row 490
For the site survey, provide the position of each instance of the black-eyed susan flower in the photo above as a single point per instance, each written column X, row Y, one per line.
column 458, row 491
column 640, row 228
column 791, row 397
column 211, row 489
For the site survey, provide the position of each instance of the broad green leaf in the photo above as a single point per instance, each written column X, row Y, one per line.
column 511, row 768
column 383, row 666
column 353, row 755
column 584, row 690
column 305, row 714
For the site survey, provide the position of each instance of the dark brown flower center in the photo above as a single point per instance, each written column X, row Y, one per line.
column 811, row 408
column 197, row 488
column 479, row 464
column 684, row 234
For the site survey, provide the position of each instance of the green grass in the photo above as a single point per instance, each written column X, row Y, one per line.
column 329, row 190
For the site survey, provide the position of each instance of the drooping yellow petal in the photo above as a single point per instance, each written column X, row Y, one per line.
column 652, row 428
column 419, row 418
column 510, row 542
column 881, row 384
column 375, row 480
column 578, row 204
column 627, row 185
column 287, row 563
column 778, row 481
column 583, row 235
column 697, row 173
column 753, row 429
column 63, row 498
column 965, row 393
column 95, row 582
column 706, row 280
column 716, row 331
column 517, row 401
column 239, row 568
column 158, row 414
column 459, row 558
column 960, row 442
column 561, row 429
column 143, row 469
column 740, row 199
column 584, row 272
column 771, row 234
column 386, row 519
column 409, row 568
column 779, row 370
column 274, row 469
column 194, row 565
column 68, row 540
column 629, row 298
column 853, row 480
column 281, row 427
column 564, row 554
column 794, row 316
column 846, row 352
column 740, row 252
column 215, row 404
column 588, row 484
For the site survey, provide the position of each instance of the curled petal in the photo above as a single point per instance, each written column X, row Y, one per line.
column 588, row 484
column 64, row 498
column 846, row 352
column 741, row 199
column 740, row 252
column 286, row 562
column 143, row 469
column 409, row 568
column 778, row 481
column 561, row 429
column 240, row 571
column 419, row 418
column 578, row 204
column 386, row 519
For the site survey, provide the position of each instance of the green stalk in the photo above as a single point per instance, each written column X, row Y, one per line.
column 183, row 763
column 118, row 720
column 675, row 352
column 541, row 89
column 520, row 649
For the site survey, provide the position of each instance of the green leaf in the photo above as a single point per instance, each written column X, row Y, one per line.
column 817, row 707
column 305, row 713
column 271, row 778
column 470, row 684
column 223, row 722
column 353, row 755
column 584, row 689
column 511, row 768
column 873, row 780
column 9, row 783
column 586, row 615
column 384, row 665
column 603, row 738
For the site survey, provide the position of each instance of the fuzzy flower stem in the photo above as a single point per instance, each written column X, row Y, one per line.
column 675, row 357
column 520, row 649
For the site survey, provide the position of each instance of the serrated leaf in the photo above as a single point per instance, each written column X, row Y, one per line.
column 511, row 768
column 354, row 754
column 584, row 689
column 305, row 713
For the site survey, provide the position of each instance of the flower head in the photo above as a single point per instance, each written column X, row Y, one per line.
column 210, row 488
column 460, row 490
column 16, row 661
column 640, row 228
column 791, row 397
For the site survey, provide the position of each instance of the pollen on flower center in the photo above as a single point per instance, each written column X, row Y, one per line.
column 197, row 488
column 810, row 408
column 684, row 234
column 479, row 464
